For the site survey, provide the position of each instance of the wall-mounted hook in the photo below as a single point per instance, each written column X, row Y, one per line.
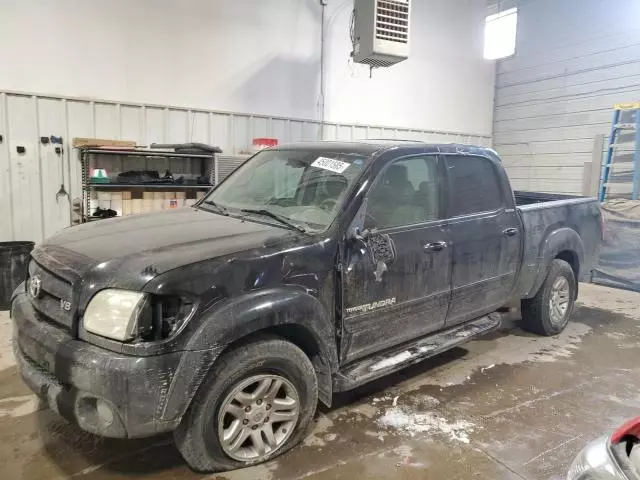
column 44, row 140
column 55, row 139
column 61, row 192
column 20, row 149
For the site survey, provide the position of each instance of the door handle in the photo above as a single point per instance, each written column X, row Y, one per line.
column 510, row 232
column 435, row 246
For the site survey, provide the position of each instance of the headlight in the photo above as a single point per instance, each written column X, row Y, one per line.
column 594, row 463
column 114, row 313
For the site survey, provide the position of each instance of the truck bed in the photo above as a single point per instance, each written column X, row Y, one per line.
column 545, row 213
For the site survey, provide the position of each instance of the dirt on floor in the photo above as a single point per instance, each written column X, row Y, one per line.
column 508, row 406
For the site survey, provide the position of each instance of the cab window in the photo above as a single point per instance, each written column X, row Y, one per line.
column 474, row 185
column 406, row 193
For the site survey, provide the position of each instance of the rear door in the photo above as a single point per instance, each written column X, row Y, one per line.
column 388, row 303
column 485, row 237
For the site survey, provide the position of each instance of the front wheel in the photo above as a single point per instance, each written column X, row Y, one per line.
column 548, row 312
column 256, row 404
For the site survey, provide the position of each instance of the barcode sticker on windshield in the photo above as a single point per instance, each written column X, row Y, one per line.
column 330, row 164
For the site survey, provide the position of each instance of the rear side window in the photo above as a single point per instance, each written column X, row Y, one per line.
column 474, row 185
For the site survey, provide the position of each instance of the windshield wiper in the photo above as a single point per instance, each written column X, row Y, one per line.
column 275, row 216
column 221, row 210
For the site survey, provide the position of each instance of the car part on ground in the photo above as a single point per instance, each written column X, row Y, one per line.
column 610, row 458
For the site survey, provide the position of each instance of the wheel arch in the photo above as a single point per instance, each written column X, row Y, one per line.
column 562, row 244
column 303, row 338
column 289, row 313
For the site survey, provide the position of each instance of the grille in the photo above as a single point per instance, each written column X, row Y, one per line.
column 53, row 289
column 392, row 20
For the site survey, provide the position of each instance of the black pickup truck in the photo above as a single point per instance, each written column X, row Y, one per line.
column 312, row 269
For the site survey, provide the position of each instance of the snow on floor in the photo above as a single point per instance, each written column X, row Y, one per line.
column 409, row 421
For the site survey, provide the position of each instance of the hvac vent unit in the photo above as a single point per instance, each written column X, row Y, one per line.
column 380, row 32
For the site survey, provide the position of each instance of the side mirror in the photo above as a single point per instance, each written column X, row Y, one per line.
column 360, row 236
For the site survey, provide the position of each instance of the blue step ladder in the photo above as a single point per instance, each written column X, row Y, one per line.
column 623, row 151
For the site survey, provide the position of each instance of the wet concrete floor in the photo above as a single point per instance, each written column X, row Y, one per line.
column 509, row 406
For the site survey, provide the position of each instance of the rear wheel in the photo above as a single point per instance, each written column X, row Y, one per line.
column 257, row 403
column 548, row 312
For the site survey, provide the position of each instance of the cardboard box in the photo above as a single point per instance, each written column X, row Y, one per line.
column 126, row 195
column 147, row 195
column 117, row 206
column 182, row 195
column 169, row 195
column 127, row 207
column 136, row 206
column 147, row 205
column 94, row 203
column 100, row 142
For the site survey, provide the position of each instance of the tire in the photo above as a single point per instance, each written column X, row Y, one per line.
column 538, row 314
column 197, row 437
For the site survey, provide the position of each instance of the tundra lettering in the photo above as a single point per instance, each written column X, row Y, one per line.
column 372, row 306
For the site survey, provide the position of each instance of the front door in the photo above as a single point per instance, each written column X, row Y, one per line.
column 486, row 238
column 396, row 281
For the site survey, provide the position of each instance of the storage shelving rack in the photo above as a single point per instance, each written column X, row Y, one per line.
column 206, row 161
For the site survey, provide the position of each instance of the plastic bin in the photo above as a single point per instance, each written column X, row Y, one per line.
column 14, row 261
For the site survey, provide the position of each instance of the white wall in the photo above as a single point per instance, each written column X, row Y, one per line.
column 574, row 60
column 445, row 84
column 257, row 56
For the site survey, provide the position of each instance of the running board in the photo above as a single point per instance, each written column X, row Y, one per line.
column 371, row 368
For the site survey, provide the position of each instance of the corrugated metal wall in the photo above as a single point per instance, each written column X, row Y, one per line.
column 29, row 181
column 574, row 60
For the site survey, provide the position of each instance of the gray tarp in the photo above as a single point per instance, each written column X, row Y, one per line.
column 619, row 261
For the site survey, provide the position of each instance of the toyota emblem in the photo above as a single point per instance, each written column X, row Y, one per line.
column 35, row 285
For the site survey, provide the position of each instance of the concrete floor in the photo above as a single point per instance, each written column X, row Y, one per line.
column 510, row 406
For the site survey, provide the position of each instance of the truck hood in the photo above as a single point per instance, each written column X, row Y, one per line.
column 133, row 250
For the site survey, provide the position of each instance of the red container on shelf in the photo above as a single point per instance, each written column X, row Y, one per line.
column 263, row 142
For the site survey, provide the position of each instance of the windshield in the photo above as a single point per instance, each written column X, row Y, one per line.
column 305, row 188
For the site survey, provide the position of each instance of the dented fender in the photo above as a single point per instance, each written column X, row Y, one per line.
column 245, row 315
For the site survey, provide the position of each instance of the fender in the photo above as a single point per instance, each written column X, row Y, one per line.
column 559, row 240
column 243, row 316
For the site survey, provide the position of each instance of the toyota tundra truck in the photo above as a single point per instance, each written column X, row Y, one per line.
column 312, row 269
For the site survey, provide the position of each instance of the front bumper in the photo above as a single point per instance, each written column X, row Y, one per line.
column 596, row 462
column 103, row 392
